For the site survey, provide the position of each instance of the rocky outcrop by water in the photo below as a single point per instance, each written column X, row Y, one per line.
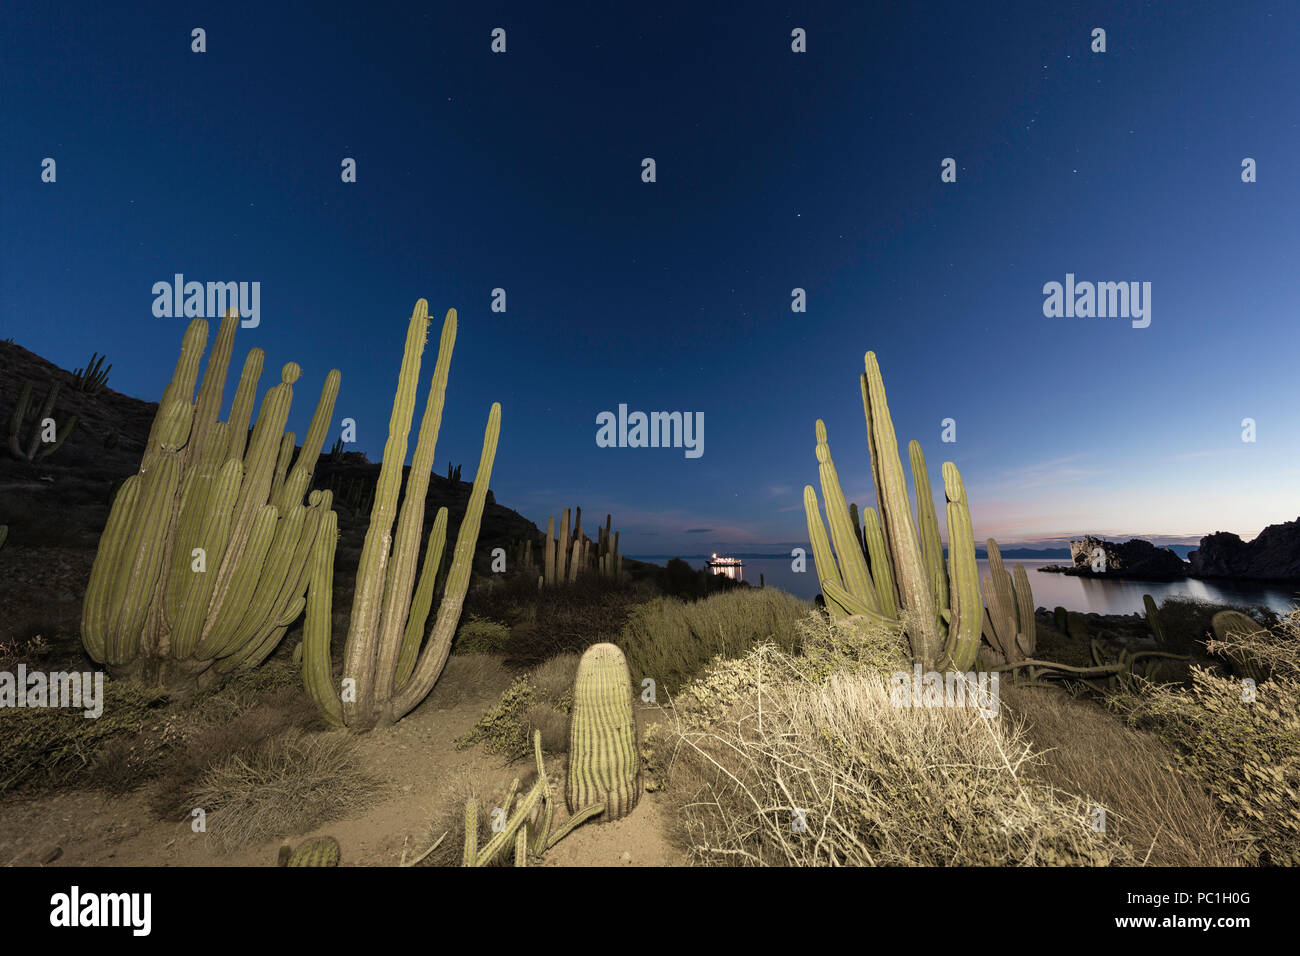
column 1273, row 555
column 1134, row 558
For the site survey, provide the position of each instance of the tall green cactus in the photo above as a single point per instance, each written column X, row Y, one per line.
column 202, row 566
column 1009, row 626
column 904, row 576
column 604, row 763
column 388, row 665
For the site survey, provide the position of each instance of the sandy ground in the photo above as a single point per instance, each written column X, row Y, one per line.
column 421, row 771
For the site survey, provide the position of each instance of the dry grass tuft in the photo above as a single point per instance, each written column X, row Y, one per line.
column 670, row 641
column 290, row 784
column 554, row 677
column 468, row 676
column 1151, row 805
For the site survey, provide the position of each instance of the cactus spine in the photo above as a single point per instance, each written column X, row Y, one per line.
column 388, row 669
column 604, row 763
column 203, row 564
column 903, row 576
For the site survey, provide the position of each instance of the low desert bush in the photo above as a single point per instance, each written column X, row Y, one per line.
column 670, row 640
column 1241, row 745
column 1271, row 650
column 48, row 747
column 480, row 635
column 1164, row 815
column 290, row 784
column 540, row 701
column 467, row 676
column 806, row 770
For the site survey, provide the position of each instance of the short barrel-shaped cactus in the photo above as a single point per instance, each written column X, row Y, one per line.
column 604, row 763
column 318, row 851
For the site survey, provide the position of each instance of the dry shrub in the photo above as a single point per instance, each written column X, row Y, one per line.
column 290, row 784
column 554, row 677
column 1161, row 813
column 872, row 783
column 469, row 677
column 1246, row 753
column 1274, row 651
column 224, row 734
column 480, row 635
column 670, row 641
column 503, row 728
column 553, row 724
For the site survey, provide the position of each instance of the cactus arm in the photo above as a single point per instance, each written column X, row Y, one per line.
column 1027, row 633
column 966, row 610
column 317, row 668
column 828, row 571
column 360, row 656
column 909, row 567
column 434, row 657
column 848, row 553
column 406, row 543
column 881, row 572
column 16, row 421
column 423, row 599
column 927, row 525
column 471, row 833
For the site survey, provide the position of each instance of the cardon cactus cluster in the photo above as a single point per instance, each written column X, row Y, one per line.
column 47, row 434
column 1009, row 626
column 203, row 564
column 604, row 762
column 388, row 665
column 566, row 556
column 902, row 576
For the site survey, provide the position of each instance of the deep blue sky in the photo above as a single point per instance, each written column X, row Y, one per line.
column 775, row 170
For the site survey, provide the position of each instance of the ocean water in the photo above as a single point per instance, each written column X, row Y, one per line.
column 1073, row 593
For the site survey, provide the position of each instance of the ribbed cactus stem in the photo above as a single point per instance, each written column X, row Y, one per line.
column 966, row 607
column 927, row 526
column 844, row 536
column 910, row 571
column 604, row 763
column 878, row 556
column 548, row 554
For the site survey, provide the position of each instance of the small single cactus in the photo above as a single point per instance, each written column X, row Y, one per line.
column 1153, row 620
column 318, row 851
column 604, row 763
column 1236, row 627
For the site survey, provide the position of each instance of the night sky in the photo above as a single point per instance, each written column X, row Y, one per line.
column 775, row 170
